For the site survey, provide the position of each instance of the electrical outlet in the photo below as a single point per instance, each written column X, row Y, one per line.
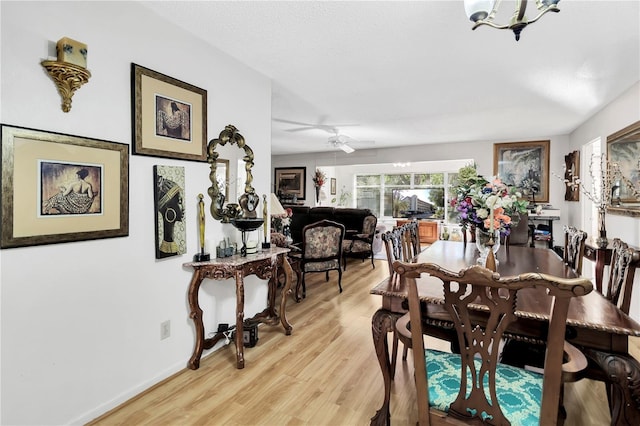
column 165, row 329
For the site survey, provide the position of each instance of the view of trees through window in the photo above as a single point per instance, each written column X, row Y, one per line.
column 376, row 193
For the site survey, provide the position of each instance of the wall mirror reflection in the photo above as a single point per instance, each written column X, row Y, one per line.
column 623, row 153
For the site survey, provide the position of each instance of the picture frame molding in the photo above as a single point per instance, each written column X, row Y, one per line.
column 333, row 186
column 542, row 196
column 146, row 84
column 30, row 229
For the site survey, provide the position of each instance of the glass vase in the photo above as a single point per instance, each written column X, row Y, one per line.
column 602, row 240
column 484, row 241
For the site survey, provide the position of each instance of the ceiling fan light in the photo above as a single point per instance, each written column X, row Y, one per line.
column 346, row 148
column 478, row 9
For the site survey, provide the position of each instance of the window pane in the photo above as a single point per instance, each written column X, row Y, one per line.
column 428, row 179
column 369, row 198
column 388, row 200
column 402, row 179
column 367, row 180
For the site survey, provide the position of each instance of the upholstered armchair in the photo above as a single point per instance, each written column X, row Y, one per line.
column 361, row 244
column 321, row 250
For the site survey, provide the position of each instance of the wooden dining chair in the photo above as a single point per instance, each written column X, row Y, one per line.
column 624, row 261
column 574, row 242
column 520, row 234
column 395, row 244
column 321, row 250
column 622, row 271
column 473, row 385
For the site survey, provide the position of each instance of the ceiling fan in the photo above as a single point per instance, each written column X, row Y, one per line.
column 337, row 140
column 329, row 128
column 342, row 142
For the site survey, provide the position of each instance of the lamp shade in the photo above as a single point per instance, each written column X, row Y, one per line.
column 478, row 9
column 276, row 207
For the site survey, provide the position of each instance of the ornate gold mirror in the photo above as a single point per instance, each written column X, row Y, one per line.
column 623, row 153
column 221, row 209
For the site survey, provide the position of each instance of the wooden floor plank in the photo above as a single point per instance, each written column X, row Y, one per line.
column 325, row 373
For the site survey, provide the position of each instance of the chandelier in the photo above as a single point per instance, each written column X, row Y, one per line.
column 482, row 12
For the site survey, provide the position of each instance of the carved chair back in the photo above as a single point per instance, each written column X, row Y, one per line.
column 574, row 242
column 481, row 305
column 621, row 274
column 392, row 241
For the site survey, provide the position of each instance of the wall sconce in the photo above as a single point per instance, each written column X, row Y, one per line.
column 69, row 72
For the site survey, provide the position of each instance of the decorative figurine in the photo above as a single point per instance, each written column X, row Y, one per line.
column 202, row 256
column 265, row 214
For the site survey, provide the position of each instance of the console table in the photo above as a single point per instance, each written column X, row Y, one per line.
column 264, row 265
column 548, row 218
column 427, row 229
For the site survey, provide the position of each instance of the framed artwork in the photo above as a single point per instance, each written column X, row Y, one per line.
column 623, row 150
column 169, row 116
column 333, row 186
column 168, row 197
column 291, row 181
column 59, row 188
column 572, row 176
column 524, row 165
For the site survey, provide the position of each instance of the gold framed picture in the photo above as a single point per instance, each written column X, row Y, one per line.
column 59, row 188
column 169, row 116
column 524, row 165
column 291, row 181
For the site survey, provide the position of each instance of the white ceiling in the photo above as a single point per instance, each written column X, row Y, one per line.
column 413, row 72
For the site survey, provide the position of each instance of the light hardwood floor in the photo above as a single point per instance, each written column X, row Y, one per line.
column 325, row 373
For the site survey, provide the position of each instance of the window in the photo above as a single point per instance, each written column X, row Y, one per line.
column 376, row 192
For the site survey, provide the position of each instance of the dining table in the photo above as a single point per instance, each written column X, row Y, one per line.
column 594, row 324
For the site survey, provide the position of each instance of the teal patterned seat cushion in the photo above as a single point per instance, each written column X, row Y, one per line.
column 519, row 391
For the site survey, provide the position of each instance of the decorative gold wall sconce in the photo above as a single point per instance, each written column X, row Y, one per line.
column 69, row 72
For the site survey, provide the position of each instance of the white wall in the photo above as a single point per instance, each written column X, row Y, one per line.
column 80, row 322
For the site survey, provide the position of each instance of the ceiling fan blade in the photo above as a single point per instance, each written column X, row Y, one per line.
column 346, row 148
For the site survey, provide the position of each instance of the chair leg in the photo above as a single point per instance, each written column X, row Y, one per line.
column 339, row 279
column 394, row 354
column 327, row 276
column 304, row 286
column 372, row 262
column 344, row 262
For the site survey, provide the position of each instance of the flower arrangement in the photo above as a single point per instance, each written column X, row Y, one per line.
column 278, row 222
column 319, row 178
column 486, row 204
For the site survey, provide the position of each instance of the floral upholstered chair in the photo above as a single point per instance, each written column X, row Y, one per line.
column 361, row 244
column 321, row 250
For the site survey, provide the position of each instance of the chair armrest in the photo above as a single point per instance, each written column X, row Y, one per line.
column 575, row 364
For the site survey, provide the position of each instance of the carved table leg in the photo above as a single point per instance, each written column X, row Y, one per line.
column 383, row 322
column 622, row 378
column 196, row 316
column 288, row 276
column 239, row 319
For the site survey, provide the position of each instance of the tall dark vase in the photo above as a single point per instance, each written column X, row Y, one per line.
column 318, row 194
